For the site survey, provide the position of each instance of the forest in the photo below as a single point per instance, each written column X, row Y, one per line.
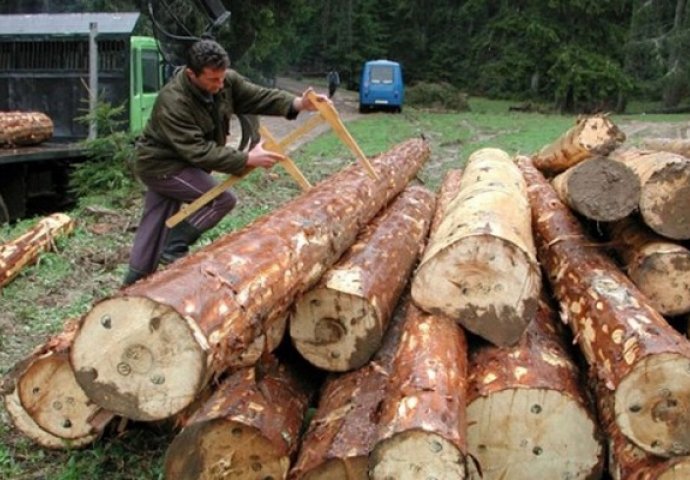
column 577, row 55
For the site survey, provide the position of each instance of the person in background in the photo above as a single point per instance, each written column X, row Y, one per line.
column 185, row 139
column 333, row 82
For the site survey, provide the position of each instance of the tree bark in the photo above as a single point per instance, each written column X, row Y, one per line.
column 248, row 429
column 44, row 400
column 480, row 267
column 659, row 267
column 680, row 146
column 221, row 303
column 527, row 412
column 665, row 196
column 339, row 324
column 24, row 128
column 25, row 249
column 600, row 189
column 591, row 136
column 629, row 346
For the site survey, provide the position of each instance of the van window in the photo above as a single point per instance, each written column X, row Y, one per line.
column 381, row 74
column 151, row 71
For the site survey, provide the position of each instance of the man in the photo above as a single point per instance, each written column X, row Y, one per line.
column 333, row 82
column 184, row 140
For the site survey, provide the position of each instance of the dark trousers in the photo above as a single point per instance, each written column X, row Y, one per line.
column 163, row 199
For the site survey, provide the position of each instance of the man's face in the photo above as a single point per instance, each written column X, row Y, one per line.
column 209, row 80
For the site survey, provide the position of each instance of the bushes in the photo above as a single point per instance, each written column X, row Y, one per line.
column 437, row 96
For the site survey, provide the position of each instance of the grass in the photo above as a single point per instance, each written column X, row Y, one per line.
column 89, row 264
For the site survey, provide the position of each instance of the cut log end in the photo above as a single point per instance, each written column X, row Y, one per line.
column 351, row 468
column 603, row 190
column 665, row 199
column 414, row 455
column 666, row 280
column 488, row 285
column 155, row 365
column 224, row 449
column 679, row 471
column 50, row 393
column 652, row 403
column 524, row 434
column 335, row 331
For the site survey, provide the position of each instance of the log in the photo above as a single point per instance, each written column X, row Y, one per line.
column 220, row 303
column 591, row 136
column 600, row 189
column 665, row 195
column 422, row 426
column 44, row 400
column 25, row 249
column 24, row 128
column 480, row 267
column 681, row 146
column 527, row 412
column 629, row 345
column 248, row 429
column 339, row 324
column 659, row 267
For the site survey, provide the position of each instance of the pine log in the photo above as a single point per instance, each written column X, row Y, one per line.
column 217, row 303
column 422, row 426
column 626, row 460
column 342, row 433
column 480, row 267
column 600, row 189
column 339, row 324
column 629, row 345
column 25, row 249
column 681, row 146
column 659, row 267
column 24, row 128
column 248, row 429
column 665, row 195
column 527, row 412
column 44, row 400
column 591, row 136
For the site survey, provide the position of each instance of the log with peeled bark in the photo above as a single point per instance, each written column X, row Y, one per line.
column 24, row 250
column 681, row 146
column 226, row 303
column 659, row 267
column 338, row 325
column 628, row 344
column 591, row 136
column 480, row 266
column 626, row 460
column 24, row 128
column 665, row 195
column 600, row 189
column 528, row 414
column 44, row 400
column 248, row 429
column 422, row 427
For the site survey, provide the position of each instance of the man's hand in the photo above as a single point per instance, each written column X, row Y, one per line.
column 304, row 103
column 260, row 157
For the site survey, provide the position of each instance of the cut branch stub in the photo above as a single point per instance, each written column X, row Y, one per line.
column 665, row 196
column 629, row 346
column 600, row 189
column 480, row 266
column 659, row 267
column 247, row 430
column 24, row 128
column 681, row 146
column 163, row 338
column 528, row 416
column 595, row 135
column 339, row 324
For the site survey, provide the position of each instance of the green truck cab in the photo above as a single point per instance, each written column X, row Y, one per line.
column 44, row 66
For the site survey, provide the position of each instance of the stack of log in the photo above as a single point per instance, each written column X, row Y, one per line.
column 444, row 356
column 24, row 128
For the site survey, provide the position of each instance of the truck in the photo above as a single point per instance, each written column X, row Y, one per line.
column 381, row 86
column 44, row 67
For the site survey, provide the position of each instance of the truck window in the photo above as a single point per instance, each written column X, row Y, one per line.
column 151, row 80
column 381, row 74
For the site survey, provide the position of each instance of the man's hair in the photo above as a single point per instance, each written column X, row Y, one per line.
column 206, row 53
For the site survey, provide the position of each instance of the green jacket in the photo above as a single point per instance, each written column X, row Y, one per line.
column 188, row 127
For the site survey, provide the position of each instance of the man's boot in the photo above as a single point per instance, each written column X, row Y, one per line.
column 132, row 276
column 180, row 237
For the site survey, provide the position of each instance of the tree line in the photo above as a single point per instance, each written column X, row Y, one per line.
column 579, row 54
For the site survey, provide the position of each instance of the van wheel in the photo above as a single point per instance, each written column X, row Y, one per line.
column 398, row 109
column 363, row 109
